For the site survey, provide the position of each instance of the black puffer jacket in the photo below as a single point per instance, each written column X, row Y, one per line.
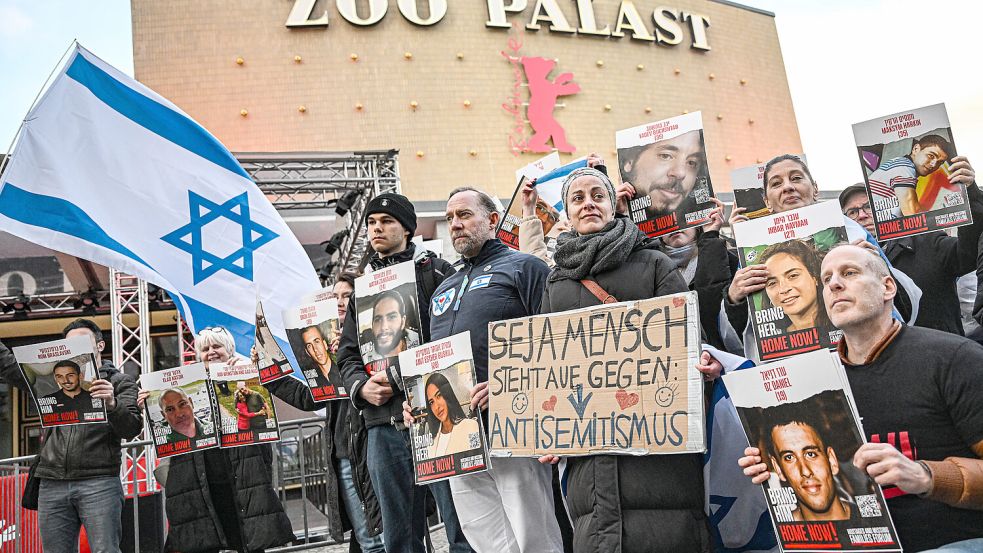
column 87, row 450
column 621, row 503
column 194, row 521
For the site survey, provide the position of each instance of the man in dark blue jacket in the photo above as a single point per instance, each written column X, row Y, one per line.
column 508, row 509
column 78, row 466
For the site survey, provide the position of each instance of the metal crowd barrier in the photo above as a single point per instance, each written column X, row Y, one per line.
column 299, row 476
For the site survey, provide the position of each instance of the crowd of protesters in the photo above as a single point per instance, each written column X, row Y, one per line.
column 908, row 363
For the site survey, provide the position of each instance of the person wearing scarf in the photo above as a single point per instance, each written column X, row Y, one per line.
column 623, row 503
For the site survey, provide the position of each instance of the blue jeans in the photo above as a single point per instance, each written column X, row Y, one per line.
column 403, row 503
column 965, row 546
column 353, row 506
column 65, row 505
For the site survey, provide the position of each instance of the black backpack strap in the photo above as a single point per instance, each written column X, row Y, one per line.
column 427, row 273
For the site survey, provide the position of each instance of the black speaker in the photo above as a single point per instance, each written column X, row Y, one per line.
column 150, row 513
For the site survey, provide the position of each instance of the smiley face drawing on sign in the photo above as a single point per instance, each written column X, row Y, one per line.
column 665, row 394
column 520, row 403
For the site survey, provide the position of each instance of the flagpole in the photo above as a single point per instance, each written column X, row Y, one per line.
column 6, row 159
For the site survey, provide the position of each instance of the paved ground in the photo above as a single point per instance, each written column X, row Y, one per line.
column 438, row 536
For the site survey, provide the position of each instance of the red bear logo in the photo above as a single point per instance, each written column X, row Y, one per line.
column 543, row 93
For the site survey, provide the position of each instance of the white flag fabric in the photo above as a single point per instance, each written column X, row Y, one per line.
column 107, row 170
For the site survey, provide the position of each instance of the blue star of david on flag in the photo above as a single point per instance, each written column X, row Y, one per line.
column 206, row 264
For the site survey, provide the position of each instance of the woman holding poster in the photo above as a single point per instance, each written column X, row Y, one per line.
column 607, row 258
column 219, row 499
column 448, row 424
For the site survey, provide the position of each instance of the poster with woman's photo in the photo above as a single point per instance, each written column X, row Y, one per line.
column 748, row 184
column 179, row 410
column 246, row 416
column 446, row 435
column 313, row 332
column 549, row 203
column 906, row 158
column 273, row 364
column 666, row 162
column 59, row 374
column 798, row 413
column 388, row 316
column 788, row 316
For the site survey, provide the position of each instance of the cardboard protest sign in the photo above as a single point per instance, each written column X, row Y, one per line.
column 549, row 205
column 666, row 162
column 614, row 378
column 906, row 160
column 447, row 439
column 748, row 184
column 798, row 413
column 246, row 415
column 59, row 374
column 179, row 410
column 273, row 364
column 387, row 312
column 789, row 316
column 313, row 332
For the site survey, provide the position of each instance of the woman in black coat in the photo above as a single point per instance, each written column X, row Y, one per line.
column 623, row 503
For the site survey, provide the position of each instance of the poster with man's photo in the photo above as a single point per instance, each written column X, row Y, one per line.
column 179, row 410
column 313, row 332
column 666, row 162
column 748, row 184
column 906, row 159
column 273, row 364
column 388, row 316
column 446, row 435
column 789, row 316
column 59, row 374
column 798, row 413
column 246, row 415
column 549, row 204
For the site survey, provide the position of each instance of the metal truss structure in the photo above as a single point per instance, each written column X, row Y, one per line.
column 319, row 181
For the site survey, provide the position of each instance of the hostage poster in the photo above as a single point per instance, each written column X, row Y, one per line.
column 906, row 160
column 789, row 316
column 273, row 364
column 313, row 332
column 59, row 374
column 666, row 162
column 179, row 410
column 798, row 413
column 245, row 410
column 748, row 184
column 388, row 316
column 614, row 378
column 549, row 204
column 447, row 438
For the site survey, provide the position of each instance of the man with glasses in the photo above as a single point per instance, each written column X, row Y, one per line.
column 933, row 260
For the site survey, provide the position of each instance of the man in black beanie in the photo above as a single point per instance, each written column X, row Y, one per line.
column 390, row 224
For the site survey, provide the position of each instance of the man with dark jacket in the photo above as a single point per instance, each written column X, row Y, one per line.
column 510, row 507
column 933, row 260
column 79, row 465
column 391, row 223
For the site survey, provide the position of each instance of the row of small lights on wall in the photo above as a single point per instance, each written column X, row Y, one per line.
column 414, row 105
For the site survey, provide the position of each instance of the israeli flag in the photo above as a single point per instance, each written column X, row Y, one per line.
column 107, row 170
column 736, row 508
column 550, row 186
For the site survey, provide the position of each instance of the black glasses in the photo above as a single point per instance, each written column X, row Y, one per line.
column 854, row 212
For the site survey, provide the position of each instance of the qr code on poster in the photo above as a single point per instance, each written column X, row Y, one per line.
column 701, row 194
column 474, row 440
column 869, row 505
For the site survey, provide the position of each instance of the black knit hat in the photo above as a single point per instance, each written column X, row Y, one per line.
column 396, row 205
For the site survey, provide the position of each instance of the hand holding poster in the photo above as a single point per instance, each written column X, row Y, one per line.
column 614, row 378
column 273, row 364
column 789, row 316
column 313, row 332
column 388, row 317
column 179, row 410
column 247, row 416
column 906, row 161
column 748, row 184
column 549, row 202
column 447, row 438
column 59, row 374
column 798, row 413
column 666, row 162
